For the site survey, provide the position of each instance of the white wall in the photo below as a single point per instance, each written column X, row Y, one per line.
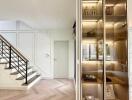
column 38, row 47
column 11, row 37
column 8, row 81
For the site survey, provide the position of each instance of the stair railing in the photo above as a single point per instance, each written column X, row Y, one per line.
column 14, row 58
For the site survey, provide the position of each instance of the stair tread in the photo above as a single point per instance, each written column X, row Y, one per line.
column 31, row 80
column 9, row 68
column 21, row 78
column 16, row 72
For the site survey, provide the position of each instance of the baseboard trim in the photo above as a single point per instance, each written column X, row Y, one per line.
column 46, row 78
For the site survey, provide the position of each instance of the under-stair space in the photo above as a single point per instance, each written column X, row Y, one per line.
column 15, row 70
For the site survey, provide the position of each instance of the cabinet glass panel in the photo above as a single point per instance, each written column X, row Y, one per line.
column 116, row 50
column 92, row 50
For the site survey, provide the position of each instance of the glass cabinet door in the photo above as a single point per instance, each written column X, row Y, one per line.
column 116, row 56
column 104, row 50
column 92, row 50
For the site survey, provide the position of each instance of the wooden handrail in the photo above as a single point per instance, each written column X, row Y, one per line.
column 15, row 50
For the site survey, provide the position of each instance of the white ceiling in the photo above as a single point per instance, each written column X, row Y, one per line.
column 40, row 14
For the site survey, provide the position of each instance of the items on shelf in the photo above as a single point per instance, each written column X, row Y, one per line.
column 124, row 67
column 100, row 50
column 108, row 52
column 108, row 79
column 85, row 52
column 93, row 52
column 93, row 11
column 109, row 10
column 110, row 95
column 89, row 98
column 89, row 11
column 89, row 52
column 89, row 77
column 89, row 33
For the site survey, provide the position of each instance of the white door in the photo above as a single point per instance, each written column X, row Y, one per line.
column 61, row 59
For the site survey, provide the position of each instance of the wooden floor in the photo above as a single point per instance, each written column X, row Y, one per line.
column 57, row 89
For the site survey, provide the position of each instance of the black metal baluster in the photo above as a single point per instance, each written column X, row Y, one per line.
column 18, row 63
column 10, row 57
column 26, row 72
column 2, row 49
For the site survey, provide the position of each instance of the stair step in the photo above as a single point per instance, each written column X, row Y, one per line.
column 16, row 72
column 31, row 80
column 29, row 74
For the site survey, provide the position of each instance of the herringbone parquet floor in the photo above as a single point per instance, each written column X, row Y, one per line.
column 57, row 89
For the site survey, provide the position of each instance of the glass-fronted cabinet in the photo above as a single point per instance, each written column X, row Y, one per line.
column 104, row 56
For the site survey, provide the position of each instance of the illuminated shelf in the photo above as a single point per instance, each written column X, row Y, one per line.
column 90, row 1
column 110, row 78
column 98, row 60
column 113, row 18
column 115, row 1
column 93, row 18
column 99, row 81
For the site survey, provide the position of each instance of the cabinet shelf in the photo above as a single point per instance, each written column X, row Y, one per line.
column 90, row 1
column 90, row 82
column 92, row 18
column 115, row 1
column 110, row 79
column 99, row 60
column 114, row 18
column 109, row 18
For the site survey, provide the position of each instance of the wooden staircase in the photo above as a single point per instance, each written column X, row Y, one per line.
column 17, row 64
